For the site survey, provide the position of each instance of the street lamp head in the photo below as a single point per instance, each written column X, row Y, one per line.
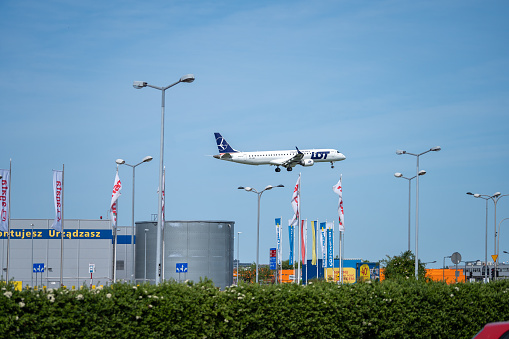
column 436, row 149
column 477, row 195
column 422, row 172
column 269, row 187
column 399, row 152
column 497, row 194
column 120, row 161
column 187, row 78
column 470, row 193
column 147, row 158
column 139, row 84
column 398, row 175
column 240, row 187
column 280, row 185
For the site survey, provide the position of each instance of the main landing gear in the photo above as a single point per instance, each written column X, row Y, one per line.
column 289, row 169
column 278, row 169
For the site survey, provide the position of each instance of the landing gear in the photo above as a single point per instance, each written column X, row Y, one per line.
column 278, row 169
column 289, row 169
column 331, row 164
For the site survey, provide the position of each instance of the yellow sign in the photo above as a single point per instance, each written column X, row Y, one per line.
column 332, row 274
column 494, row 257
column 364, row 272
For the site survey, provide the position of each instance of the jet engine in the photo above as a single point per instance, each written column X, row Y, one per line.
column 307, row 162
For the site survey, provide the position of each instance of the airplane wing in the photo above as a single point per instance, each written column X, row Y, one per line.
column 289, row 162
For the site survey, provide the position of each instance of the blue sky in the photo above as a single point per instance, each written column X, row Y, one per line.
column 366, row 78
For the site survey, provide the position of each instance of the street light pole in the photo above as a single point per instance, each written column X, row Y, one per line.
column 443, row 268
column 238, row 258
column 399, row 152
column 495, row 198
column 250, row 189
column 140, row 84
column 400, row 175
column 122, row 162
column 486, row 237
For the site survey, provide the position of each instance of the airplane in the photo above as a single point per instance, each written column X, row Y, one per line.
column 287, row 159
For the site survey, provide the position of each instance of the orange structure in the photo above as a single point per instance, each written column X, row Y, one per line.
column 448, row 275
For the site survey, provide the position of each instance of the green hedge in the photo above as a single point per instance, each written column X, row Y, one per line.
column 391, row 309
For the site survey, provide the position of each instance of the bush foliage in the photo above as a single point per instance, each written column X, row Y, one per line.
column 405, row 308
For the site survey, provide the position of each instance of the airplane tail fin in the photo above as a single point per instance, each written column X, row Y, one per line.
column 222, row 145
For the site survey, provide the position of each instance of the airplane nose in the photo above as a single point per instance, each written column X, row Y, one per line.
column 342, row 156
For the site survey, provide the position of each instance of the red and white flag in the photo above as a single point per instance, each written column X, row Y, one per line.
column 4, row 200
column 58, row 190
column 296, row 203
column 339, row 191
column 303, row 239
column 162, row 197
column 117, row 186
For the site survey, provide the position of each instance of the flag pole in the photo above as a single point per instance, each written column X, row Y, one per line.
column 62, row 235
column 9, row 224
column 299, row 231
column 115, row 240
column 316, row 246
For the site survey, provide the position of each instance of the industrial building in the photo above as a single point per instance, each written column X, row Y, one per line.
column 36, row 252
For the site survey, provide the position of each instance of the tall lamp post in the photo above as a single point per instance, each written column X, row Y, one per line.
column 495, row 198
column 140, row 84
column 486, row 237
column 122, row 162
column 400, row 175
column 238, row 257
column 443, row 268
column 399, row 152
column 498, row 239
column 250, row 189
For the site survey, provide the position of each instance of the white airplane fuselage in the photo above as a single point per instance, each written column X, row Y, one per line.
column 275, row 157
column 287, row 159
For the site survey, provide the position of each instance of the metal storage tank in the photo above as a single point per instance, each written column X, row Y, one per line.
column 205, row 246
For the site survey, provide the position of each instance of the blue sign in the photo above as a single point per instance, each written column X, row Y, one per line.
column 38, row 268
column 330, row 248
column 273, row 263
column 181, row 267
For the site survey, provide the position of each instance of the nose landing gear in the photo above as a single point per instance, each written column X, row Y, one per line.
column 331, row 164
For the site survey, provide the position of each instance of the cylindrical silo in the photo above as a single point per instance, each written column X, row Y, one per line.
column 191, row 249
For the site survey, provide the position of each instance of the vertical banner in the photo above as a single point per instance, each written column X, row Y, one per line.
column 339, row 191
column 313, row 227
column 304, row 238
column 330, row 245
column 279, row 231
column 162, row 197
column 117, row 186
column 4, row 200
column 324, row 244
column 291, row 237
column 57, row 194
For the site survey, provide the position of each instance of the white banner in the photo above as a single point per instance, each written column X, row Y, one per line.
column 304, row 240
column 279, row 234
column 324, row 244
column 58, row 187
column 117, row 186
column 339, row 191
column 296, row 203
column 4, row 200
column 162, row 197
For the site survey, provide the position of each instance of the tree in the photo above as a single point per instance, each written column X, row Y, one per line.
column 402, row 266
column 248, row 274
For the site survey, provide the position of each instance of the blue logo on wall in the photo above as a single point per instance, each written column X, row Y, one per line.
column 38, row 268
column 181, row 267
